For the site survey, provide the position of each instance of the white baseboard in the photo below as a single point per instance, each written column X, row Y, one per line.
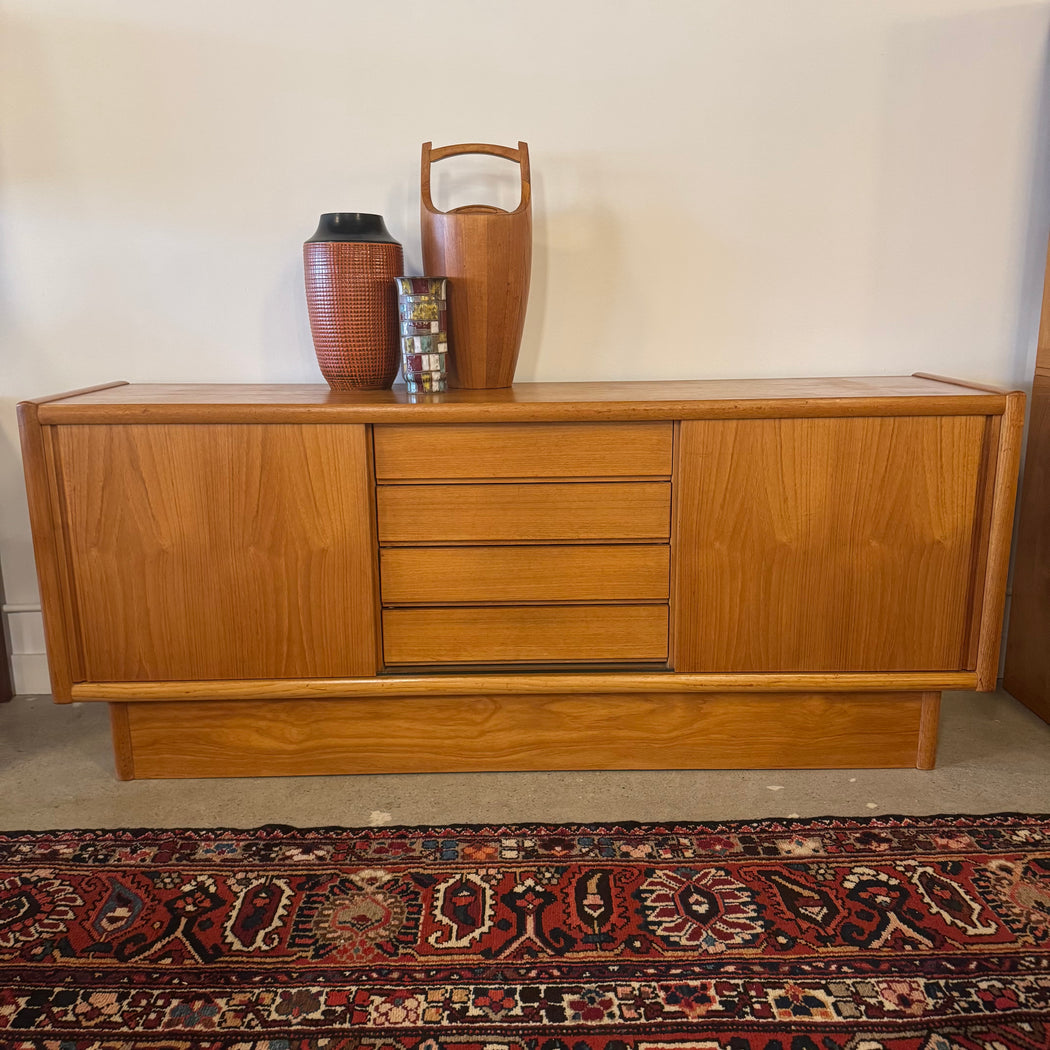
column 25, row 629
column 29, row 674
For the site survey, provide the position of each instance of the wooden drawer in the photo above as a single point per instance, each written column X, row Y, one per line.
column 447, row 575
column 522, row 450
column 525, row 634
column 465, row 513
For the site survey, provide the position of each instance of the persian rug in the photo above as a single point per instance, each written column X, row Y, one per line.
column 904, row 933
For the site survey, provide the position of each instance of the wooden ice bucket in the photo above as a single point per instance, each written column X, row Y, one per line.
column 486, row 253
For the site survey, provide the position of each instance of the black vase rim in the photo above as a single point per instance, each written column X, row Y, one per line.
column 361, row 226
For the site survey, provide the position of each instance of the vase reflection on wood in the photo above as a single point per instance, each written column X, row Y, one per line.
column 350, row 264
column 486, row 253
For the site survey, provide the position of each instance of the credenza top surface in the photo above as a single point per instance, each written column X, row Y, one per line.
column 681, row 399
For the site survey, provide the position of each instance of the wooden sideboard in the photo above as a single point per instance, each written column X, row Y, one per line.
column 707, row 574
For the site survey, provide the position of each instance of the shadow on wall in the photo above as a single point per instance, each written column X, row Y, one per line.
column 286, row 349
column 1033, row 262
column 933, row 220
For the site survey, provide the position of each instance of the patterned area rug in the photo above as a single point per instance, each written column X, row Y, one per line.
column 907, row 933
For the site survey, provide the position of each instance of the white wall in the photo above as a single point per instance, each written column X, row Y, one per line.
column 721, row 187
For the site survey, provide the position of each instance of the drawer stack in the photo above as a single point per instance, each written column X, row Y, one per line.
column 542, row 544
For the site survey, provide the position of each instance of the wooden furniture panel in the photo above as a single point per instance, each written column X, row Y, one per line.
column 838, row 544
column 476, row 733
column 992, row 560
column 451, row 575
column 523, row 450
column 428, row 514
column 525, row 633
column 220, row 551
column 1027, row 673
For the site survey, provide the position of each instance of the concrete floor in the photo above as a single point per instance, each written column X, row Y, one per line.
column 56, row 772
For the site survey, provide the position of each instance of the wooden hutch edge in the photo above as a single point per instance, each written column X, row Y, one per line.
column 49, row 552
column 1004, row 495
column 686, row 405
column 555, row 412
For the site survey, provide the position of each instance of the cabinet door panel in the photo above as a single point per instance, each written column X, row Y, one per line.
column 826, row 544
column 220, row 551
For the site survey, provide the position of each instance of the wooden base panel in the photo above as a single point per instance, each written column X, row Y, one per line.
column 224, row 738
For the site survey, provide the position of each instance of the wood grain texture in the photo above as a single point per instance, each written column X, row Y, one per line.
column 1027, row 672
column 508, row 683
column 451, row 575
column 460, row 149
column 477, row 733
column 982, row 536
column 672, row 632
column 997, row 564
column 486, row 253
column 525, row 633
column 49, row 548
column 120, row 733
column 523, row 450
column 527, row 402
column 219, row 552
column 430, row 514
column 929, row 721
column 825, row 545
column 70, row 611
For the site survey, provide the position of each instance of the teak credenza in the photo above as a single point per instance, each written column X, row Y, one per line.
column 287, row 580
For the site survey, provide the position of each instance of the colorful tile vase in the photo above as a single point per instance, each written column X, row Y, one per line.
column 424, row 340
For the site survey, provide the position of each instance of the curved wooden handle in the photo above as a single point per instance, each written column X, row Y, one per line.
column 463, row 148
column 519, row 156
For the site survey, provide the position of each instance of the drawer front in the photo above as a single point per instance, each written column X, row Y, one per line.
column 522, row 450
column 530, row 633
column 465, row 513
column 447, row 575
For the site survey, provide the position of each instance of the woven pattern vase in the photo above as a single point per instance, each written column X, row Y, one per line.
column 350, row 265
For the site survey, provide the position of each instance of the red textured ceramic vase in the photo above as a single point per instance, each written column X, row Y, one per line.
column 350, row 265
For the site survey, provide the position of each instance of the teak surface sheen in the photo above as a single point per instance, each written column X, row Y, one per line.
column 525, row 402
column 581, row 575
column 640, row 731
column 426, row 514
column 826, row 544
column 523, row 450
column 220, row 551
column 513, row 633
column 447, row 575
